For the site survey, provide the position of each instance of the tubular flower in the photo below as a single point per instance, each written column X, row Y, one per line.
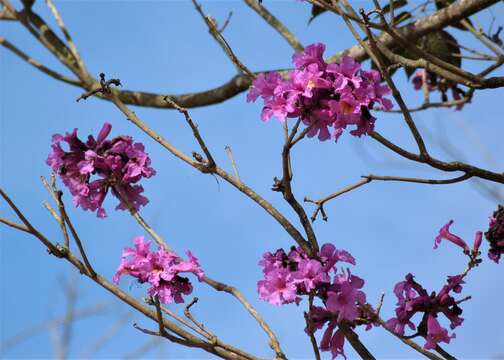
column 326, row 97
column 89, row 169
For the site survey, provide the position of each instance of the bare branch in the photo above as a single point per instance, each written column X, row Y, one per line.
column 275, row 23
column 217, row 35
column 9, row 46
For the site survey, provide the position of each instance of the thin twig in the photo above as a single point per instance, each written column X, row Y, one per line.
column 9, row 46
column 61, row 24
column 229, row 153
column 419, row 180
column 75, row 236
column 194, row 127
column 200, row 326
column 276, row 24
column 217, row 35
column 320, row 202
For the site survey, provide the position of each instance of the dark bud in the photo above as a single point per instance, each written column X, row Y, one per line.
column 495, row 233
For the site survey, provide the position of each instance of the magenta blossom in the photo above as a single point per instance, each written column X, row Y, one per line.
column 161, row 269
column 414, row 299
column 445, row 233
column 345, row 296
column 89, row 169
column 325, row 97
column 436, row 333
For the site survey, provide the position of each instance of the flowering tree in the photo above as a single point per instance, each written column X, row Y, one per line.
column 320, row 99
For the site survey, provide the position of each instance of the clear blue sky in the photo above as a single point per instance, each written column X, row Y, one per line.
column 163, row 46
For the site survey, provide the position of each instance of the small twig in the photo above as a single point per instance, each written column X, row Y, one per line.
column 53, row 249
column 229, row 153
column 9, row 46
column 274, row 344
column 188, row 314
column 217, row 35
column 211, row 162
column 380, row 304
column 15, row 225
column 61, row 24
column 419, row 180
column 276, row 24
column 320, row 202
column 103, row 89
column 226, row 22
column 75, row 236
column 182, row 321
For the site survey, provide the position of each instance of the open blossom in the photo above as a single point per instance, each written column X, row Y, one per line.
column 161, row 269
column 413, row 299
column 495, row 235
column 345, row 295
column 326, row 97
column 90, row 169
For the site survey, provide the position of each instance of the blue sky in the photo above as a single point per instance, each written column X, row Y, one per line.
column 163, row 46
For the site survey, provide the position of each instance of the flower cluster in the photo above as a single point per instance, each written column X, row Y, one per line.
column 288, row 276
column 435, row 82
column 89, row 169
column 160, row 269
column 326, row 97
column 412, row 298
column 495, row 235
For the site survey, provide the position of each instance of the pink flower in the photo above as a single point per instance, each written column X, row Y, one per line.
column 278, row 288
column 323, row 95
column 312, row 54
column 161, row 269
column 310, row 274
column 436, row 333
column 414, row 299
column 445, row 233
column 333, row 342
column 90, row 169
column 347, row 297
